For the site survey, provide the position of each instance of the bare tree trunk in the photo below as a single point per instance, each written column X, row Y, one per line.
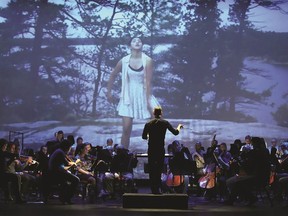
column 35, row 61
column 100, row 61
column 36, row 57
column 243, row 9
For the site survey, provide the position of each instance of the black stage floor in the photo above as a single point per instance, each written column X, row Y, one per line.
column 196, row 206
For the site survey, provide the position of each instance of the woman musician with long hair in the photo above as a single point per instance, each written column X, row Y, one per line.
column 217, row 171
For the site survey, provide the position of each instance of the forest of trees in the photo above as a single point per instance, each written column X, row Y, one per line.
column 46, row 73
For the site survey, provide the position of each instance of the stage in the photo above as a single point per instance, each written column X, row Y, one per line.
column 196, row 206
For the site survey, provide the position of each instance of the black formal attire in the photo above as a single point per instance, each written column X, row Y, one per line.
column 58, row 174
column 6, row 159
column 257, row 168
column 155, row 131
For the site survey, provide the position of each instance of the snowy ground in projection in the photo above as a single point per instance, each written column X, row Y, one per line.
column 97, row 132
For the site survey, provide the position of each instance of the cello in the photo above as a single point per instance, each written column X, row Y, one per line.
column 174, row 180
column 208, row 181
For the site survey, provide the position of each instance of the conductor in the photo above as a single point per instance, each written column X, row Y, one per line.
column 155, row 131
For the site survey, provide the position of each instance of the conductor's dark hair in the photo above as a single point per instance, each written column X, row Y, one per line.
column 157, row 111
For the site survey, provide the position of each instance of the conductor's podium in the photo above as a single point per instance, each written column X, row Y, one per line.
column 158, row 201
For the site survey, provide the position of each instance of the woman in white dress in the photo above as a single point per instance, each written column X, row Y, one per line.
column 136, row 101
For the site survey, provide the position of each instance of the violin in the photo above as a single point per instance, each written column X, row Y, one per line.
column 29, row 159
column 71, row 163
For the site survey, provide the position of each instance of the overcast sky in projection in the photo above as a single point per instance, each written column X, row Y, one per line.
column 263, row 19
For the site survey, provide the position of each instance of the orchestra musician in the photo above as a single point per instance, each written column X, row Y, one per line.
column 180, row 166
column 223, row 158
column 256, row 166
column 42, row 157
column 198, row 157
column 208, row 181
column 274, row 145
column 18, row 165
column 248, row 145
column 59, row 173
column 216, row 171
column 280, row 178
column 5, row 178
column 52, row 145
column 235, row 157
column 86, row 173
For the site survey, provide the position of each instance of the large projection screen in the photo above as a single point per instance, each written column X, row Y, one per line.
column 219, row 67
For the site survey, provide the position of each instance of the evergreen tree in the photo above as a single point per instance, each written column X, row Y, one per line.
column 192, row 59
column 40, row 88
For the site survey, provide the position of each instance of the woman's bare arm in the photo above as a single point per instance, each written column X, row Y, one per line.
column 116, row 70
column 149, row 74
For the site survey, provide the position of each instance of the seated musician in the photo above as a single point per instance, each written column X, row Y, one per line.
column 179, row 168
column 223, row 158
column 280, row 183
column 59, row 173
column 122, row 166
column 248, row 145
column 235, row 154
column 256, row 166
column 42, row 157
column 283, row 158
column 198, row 157
column 208, row 182
column 52, row 145
column 274, row 145
column 17, row 167
column 85, row 171
column 5, row 177
column 109, row 146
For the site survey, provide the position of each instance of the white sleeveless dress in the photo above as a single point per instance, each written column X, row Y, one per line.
column 135, row 104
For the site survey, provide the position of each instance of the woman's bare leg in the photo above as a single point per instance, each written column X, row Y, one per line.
column 126, row 133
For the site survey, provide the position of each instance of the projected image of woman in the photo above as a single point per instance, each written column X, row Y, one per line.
column 136, row 101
